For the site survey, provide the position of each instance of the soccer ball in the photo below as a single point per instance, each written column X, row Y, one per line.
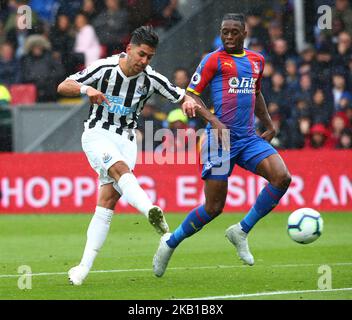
column 305, row 225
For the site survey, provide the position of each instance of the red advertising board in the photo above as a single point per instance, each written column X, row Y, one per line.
column 65, row 183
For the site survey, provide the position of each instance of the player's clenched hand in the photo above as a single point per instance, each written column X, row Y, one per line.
column 95, row 96
column 269, row 134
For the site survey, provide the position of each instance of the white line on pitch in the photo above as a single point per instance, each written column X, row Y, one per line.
column 182, row 268
column 263, row 294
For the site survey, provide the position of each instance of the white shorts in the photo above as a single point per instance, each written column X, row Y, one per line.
column 103, row 148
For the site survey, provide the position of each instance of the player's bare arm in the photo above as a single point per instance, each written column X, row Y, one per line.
column 71, row 88
column 203, row 112
column 261, row 111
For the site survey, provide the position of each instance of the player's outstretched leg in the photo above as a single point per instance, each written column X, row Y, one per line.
column 194, row 222
column 96, row 234
column 129, row 187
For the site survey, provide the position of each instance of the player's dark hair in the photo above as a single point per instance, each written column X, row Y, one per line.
column 145, row 35
column 235, row 17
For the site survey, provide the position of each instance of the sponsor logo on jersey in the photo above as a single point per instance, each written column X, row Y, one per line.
column 242, row 85
column 229, row 64
column 117, row 107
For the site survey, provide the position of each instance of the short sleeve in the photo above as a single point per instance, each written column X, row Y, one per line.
column 203, row 74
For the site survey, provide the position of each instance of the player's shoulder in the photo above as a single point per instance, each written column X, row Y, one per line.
column 149, row 70
column 213, row 55
column 254, row 55
column 111, row 61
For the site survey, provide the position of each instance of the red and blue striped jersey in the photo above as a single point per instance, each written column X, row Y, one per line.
column 234, row 80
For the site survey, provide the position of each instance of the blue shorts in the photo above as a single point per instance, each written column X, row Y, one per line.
column 247, row 153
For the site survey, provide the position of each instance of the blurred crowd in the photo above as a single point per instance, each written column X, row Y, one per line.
column 67, row 35
column 308, row 92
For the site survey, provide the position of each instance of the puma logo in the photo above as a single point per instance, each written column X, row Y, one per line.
column 229, row 64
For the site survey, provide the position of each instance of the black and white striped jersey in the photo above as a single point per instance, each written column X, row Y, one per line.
column 126, row 95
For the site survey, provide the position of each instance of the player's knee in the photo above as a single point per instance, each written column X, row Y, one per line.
column 283, row 180
column 108, row 202
column 118, row 169
column 214, row 209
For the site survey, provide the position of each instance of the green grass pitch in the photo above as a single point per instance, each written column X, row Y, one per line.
column 203, row 266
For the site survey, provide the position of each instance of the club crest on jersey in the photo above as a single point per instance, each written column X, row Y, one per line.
column 106, row 157
column 244, row 85
column 142, row 90
column 196, row 78
column 256, row 67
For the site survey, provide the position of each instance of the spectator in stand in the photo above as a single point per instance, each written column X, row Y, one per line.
column 318, row 138
column 343, row 11
column 345, row 140
column 301, row 107
column 322, row 107
column 10, row 72
column 305, row 88
column 331, row 35
column 307, row 56
column 40, row 68
column 292, row 80
column 324, row 61
column 257, row 45
column 62, row 40
column 275, row 32
column 165, row 13
column 339, row 90
column 348, row 113
column 345, row 101
column 266, row 78
column 86, row 41
column 339, row 122
column 255, row 26
column 300, row 128
column 111, row 26
column 278, row 94
column 279, row 54
column 343, row 50
column 90, row 9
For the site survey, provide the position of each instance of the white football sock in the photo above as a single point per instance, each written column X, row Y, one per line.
column 134, row 194
column 96, row 234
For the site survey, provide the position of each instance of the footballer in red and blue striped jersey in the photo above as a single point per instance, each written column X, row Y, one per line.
column 234, row 75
